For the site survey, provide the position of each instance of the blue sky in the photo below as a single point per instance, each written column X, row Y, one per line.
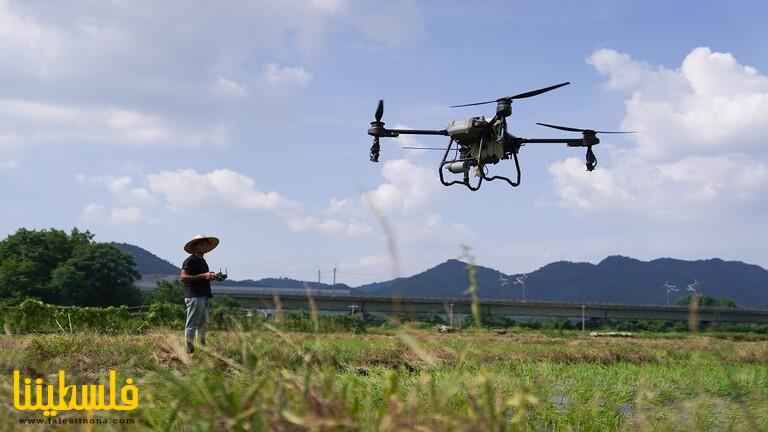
column 150, row 122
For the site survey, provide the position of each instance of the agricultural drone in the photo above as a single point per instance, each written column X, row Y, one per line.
column 476, row 143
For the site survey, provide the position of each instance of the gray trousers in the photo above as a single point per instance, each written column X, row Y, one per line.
column 197, row 319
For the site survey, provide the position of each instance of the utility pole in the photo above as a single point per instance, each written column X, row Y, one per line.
column 318, row 276
column 583, row 317
column 334, row 277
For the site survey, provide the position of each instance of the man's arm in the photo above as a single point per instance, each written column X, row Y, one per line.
column 184, row 276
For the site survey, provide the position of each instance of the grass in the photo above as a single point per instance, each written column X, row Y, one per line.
column 407, row 378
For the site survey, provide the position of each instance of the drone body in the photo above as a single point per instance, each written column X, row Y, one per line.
column 476, row 143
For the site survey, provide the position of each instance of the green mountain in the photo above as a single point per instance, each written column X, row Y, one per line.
column 148, row 263
column 616, row 279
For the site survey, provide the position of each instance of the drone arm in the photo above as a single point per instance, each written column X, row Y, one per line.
column 397, row 132
column 588, row 143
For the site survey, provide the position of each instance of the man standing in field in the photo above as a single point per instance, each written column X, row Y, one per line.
column 197, row 288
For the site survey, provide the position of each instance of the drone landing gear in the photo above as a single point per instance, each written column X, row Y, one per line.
column 458, row 166
column 506, row 179
column 462, row 165
column 458, row 163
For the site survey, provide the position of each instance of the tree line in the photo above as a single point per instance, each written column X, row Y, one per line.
column 63, row 268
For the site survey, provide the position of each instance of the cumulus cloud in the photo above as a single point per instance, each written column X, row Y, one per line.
column 407, row 186
column 700, row 141
column 296, row 75
column 123, row 190
column 217, row 187
column 228, row 188
column 111, row 72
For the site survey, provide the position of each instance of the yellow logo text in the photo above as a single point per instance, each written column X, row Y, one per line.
column 86, row 397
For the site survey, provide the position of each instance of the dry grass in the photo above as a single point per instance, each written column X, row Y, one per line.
column 411, row 379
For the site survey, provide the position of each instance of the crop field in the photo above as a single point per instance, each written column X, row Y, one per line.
column 396, row 377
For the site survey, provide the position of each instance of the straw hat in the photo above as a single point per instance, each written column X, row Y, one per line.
column 207, row 244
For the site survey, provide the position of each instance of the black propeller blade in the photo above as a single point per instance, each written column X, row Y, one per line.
column 517, row 96
column 570, row 129
column 379, row 110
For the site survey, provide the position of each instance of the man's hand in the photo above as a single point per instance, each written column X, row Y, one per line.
column 208, row 276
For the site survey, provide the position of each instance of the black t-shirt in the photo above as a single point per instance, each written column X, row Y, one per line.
column 195, row 265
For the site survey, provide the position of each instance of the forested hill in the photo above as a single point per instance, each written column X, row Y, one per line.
column 616, row 279
column 147, row 263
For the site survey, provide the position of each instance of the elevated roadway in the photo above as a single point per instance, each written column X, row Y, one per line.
column 420, row 307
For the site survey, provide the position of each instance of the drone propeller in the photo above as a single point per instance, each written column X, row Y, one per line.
column 570, row 129
column 379, row 110
column 517, row 96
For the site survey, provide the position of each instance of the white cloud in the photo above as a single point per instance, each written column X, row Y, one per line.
column 44, row 122
column 338, row 205
column 214, row 188
column 94, row 213
column 26, row 44
column 329, row 226
column 408, row 186
column 228, row 188
column 700, row 141
column 122, row 190
column 711, row 104
column 100, row 214
column 228, row 88
column 126, row 215
column 296, row 75
column 328, row 6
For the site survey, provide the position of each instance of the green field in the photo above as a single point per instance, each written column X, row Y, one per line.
column 412, row 378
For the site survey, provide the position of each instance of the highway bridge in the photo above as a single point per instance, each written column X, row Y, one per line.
column 455, row 307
